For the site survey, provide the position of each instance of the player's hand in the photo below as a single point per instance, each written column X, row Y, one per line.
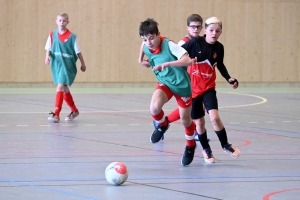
column 161, row 67
column 145, row 63
column 83, row 68
column 234, row 82
column 47, row 61
column 194, row 60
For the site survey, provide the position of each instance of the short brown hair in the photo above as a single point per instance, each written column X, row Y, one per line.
column 194, row 18
column 63, row 14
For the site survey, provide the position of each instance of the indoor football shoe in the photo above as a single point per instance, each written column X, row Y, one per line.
column 233, row 151
column 54, row 118
column 208, row 156
column 188, row 155
column 72, row 116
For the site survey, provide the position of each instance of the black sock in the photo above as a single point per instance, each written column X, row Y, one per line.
column 222, row 135
column 203, row 140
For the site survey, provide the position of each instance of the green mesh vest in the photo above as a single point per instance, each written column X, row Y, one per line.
column 176, row 78
column 63, row 60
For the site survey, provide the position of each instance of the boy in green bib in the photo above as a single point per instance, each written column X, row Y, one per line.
column 168, row 62
column 62, row 51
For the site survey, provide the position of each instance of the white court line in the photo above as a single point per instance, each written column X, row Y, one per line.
column 252, row 122
column 234, row 122
column 22, row 125
column 263, row 100
column 270, row 122
column 286, row 121
column 67, row 125
column 45, row 125
column 133, row 124
column 111, row 124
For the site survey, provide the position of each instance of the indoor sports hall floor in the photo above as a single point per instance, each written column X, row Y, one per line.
column 62, row 161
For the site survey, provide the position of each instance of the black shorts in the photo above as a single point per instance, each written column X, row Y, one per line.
column 210, row 101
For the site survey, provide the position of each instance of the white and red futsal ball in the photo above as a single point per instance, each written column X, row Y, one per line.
column 116, row 173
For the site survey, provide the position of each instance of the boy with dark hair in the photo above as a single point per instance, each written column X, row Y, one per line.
column 168, row 62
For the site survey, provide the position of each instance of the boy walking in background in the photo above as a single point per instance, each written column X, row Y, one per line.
column 62, row 52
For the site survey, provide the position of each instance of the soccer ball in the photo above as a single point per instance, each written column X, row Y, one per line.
column 116, row 173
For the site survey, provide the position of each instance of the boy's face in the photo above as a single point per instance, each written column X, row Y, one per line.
column 151, row 41
column 213, row 31
column 194, row 29
column 62, row 22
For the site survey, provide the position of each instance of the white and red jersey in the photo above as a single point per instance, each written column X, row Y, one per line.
column 63, row 38
column 203, row 72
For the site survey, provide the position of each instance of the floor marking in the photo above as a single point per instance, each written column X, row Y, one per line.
column 264, row 100
column 234, row 122
column 45, row 125
column 22, row 125
column 270, row 122
column 252, row 122
column 90, row 125
column 286, row 121
column 111, row 124
column 267, row 197
column 133, row 124
column 67, row 125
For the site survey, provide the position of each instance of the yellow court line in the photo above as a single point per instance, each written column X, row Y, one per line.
column 264, row 100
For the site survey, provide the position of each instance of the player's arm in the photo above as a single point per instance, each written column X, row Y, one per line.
column 223, row 70
column 141, row 60
column 80, row 56
column 182, row 56
column 48, row 50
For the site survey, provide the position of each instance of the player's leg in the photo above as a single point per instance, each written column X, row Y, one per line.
column 70, row 102
column 58, row 104
column 211, row 104
column 222, row 135
column 161, row 95
column 184, row 105
column 198, row 114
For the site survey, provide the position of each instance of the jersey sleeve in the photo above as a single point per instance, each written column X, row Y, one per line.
column 188, row 46
column 176, row 50
column 183, row 41
column 221, row 67
column 76, row 47
column 48, row 43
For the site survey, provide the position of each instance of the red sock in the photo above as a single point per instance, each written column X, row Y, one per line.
column 160, row 118
column 58, row 102
column 174, row 115
column 69, row 100
column 189, row 135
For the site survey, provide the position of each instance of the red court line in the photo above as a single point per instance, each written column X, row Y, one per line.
column 267, row 197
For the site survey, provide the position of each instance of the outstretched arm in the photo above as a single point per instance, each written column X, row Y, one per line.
column 185, row 60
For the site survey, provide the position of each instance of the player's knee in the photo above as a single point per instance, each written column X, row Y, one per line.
column 155, row 108
column 216, row 120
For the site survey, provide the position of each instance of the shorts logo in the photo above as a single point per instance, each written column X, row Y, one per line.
column 187, row 100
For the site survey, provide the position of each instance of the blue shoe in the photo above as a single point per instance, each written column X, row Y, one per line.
column 196, row 137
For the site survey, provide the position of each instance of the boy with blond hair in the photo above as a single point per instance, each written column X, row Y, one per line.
column 62, row 52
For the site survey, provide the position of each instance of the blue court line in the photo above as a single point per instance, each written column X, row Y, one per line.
column 21, row 182
column 47, row 189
